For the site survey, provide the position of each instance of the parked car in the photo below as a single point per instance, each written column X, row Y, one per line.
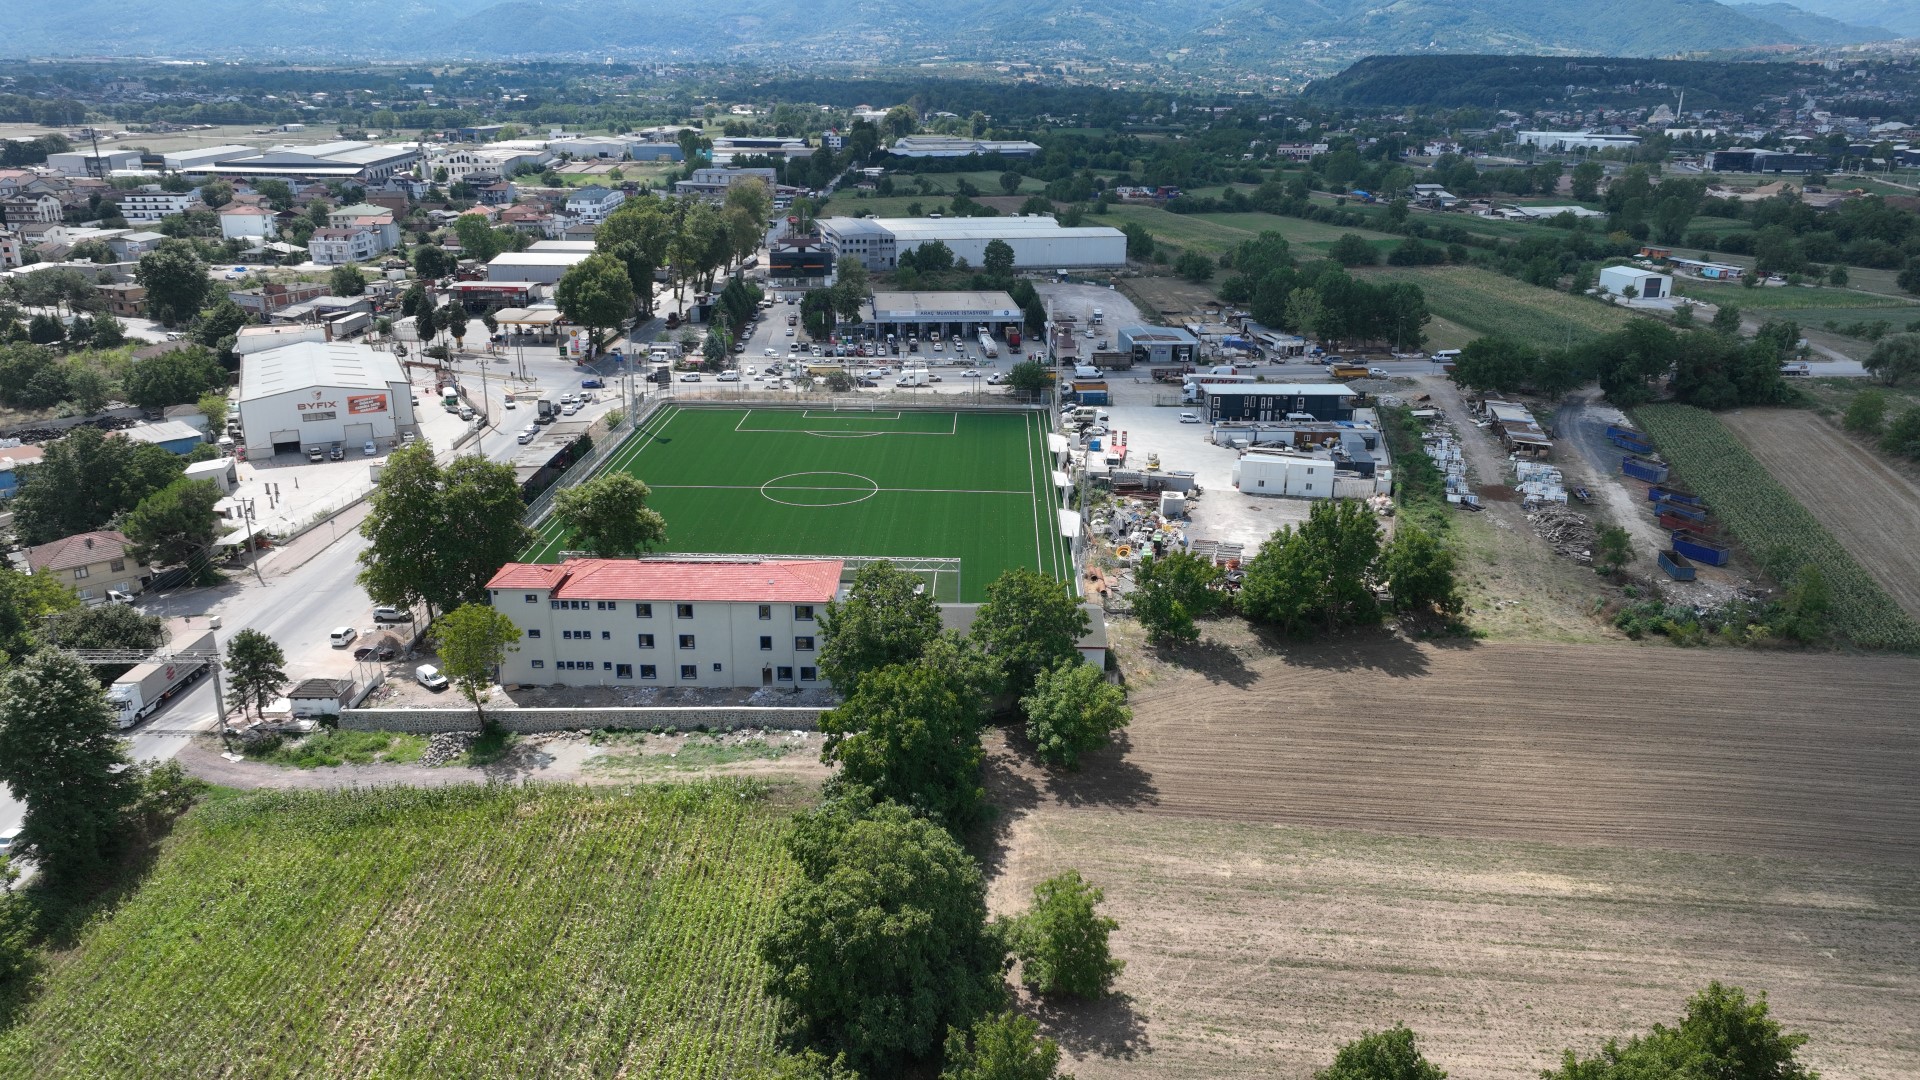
column 368, row 449
column 382, row 651
column 429, row 676
column 315, row 453
column 389, row 613
column 343, row 636
column 337, row 453
column 1189, row 418
column 528, row 434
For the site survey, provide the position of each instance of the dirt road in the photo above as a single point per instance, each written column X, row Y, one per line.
column 1872, row 509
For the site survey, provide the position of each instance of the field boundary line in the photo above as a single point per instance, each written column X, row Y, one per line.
column 882, row 490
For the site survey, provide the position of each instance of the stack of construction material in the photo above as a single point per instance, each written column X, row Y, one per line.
column 1569, row 533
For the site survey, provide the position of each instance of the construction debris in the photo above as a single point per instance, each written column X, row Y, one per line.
column 1566, row 531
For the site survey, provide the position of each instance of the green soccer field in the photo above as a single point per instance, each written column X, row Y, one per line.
column 904, row 484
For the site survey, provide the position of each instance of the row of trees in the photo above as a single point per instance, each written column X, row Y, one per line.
column 1321, row 300
column 882, row 953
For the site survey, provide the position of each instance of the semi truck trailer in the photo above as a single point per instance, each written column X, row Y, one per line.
column 139, row 692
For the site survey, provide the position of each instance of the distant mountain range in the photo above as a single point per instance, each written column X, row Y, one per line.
column 1215, row 31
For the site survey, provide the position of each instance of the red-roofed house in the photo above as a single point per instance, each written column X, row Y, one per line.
column 666, row 622
column 91, row 564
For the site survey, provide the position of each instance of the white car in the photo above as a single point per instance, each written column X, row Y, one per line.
column 1377, row 373
column 727, row 376
column 970, row 373
column 789, row 331
column 996, row 379
column 343, row 636
column 570, row 408
column 691, row 376
column 769, row 351
column 528, row 434
column 367, row 449
column 1189, row 418
column 429, row 676
column 511, row 404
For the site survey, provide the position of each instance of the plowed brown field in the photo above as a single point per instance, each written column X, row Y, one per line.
column 1511, row 848
column 1872, row 509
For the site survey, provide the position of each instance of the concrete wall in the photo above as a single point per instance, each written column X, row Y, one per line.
column 527, row 721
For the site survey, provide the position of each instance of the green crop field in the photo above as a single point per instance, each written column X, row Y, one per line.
column 472, row 931
column 973, row 486
column 1489, row 303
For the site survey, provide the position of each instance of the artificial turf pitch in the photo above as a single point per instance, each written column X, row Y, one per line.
column 975, row 486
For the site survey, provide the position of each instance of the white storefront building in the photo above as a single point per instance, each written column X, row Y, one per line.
column 320, row 393
column 666, row 622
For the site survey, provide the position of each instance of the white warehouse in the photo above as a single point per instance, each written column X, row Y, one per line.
column 1646, row 284
column 314, row 393
column 1038, row 242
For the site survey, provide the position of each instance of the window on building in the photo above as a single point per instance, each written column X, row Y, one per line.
column 808, row 674
column 552, row 604
column 118, row 565
column 803, row 644
column 784, row 674
column 605, row 665
column 766, row 643
column 643, row 611
column 606, row 635
column 686, row 641
column 646, row 641
column 683, row 611
column 716, row 667
column 533, row 598
column 803, row 612
column 539, row 663
column 603, row 605
column 86, row 594
column 689, row 672
column 533, row 633
column 81, row 573
column 766, row 611
column 623, row 671
column 648, row 671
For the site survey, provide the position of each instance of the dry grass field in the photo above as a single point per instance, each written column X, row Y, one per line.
column 1871, row 508
column 1511, row 847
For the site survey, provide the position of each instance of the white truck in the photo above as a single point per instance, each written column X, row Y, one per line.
column 1099, row 316
column 987, row 346
column 135, row 695
column 913, row 375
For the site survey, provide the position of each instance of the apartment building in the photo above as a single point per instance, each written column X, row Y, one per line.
column 666, row 622
column 149, row 204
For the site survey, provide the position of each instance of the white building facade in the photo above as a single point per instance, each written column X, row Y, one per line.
column 1038, row 243
column 149, row 205
column 665, row 622
column 319, row 393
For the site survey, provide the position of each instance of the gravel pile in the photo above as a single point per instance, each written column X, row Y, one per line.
column 445, row 746
column 1569, row 533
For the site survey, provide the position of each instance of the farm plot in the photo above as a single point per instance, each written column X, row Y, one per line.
column 463, row 931
column 1774, row 526
column 1492, row 304
column 1872, row 510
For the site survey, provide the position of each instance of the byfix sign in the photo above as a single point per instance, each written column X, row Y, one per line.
column 366, row 403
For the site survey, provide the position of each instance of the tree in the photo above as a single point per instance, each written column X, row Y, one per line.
column 256, row 671
column 1140, row 242
column 1902, row 436
column 174, row 524
column 608, row 515
column 453, row 319
column 595, row 293
column 1722, row 1035
column 214, row 407
column 887, row 618
column 175, row 280
column 997, row 261
column 1726, row 320
column 1194, row 266
column 1003, row 1046
column 1419, row 572
column 174, row 378
column 216, row 193
column 478, row 240
column 84, row 480
column 61, row 753
column 1894, row 357
column 1493, row 363
column 1352, row 249
column 911, row 734
column 1806, row 609
column 1321, row 568
column 433, row 261
column 1062, row 941
column 31, row 376
column 473, row 641
column 1028, row 624
column 1028, row 378
column 882, row 941
column 347, row 280
column 436, row 536
column 1866, row 413
column 1381, row 1055
column 426, row 322
column 44, row 329
column 1170, row 592
column 26, row 602
column 1612, row 551
column 87, row 385
column 1586, row 181
column 1073, row 710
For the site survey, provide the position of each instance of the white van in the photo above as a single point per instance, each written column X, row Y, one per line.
column 1083, row 371
column 343, row 636
column 1446, row 356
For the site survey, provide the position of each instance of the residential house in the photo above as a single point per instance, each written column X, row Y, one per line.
column 149, row 204
column 593, row 204
column 91, row 564
column 526, row 217
column 268, row 299
column 239, row 221
column 338, row 246
column 128, row 247
column 498, row 193
column 10, row 256
column 24, row 207
column 377, row 219
column 125, row 299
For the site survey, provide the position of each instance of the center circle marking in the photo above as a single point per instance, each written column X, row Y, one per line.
column 819, row 489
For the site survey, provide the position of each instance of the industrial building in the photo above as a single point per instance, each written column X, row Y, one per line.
column 1238, row 402
column 1742, row 160
column 1039, row 243
column 1158, row 344
column 361, row 162
column 539, row 267
column 965, row 313
column 1575, row 140
column 1646, row 284
column 949, row 146
column 86, row 163
column 320, row 393
column 665, row 622
column 713, row 183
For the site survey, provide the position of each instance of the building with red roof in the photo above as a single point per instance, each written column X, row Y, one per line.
column 666, row 622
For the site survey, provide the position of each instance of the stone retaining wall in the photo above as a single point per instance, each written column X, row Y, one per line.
column 529, row 721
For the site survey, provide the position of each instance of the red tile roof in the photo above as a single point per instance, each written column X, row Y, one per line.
column 773, row 581
column 80, row 549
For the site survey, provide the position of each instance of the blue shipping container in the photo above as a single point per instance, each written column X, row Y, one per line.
column 1698, row 549
column 1674, row 495
column 1640, row 469
column 1676, row 566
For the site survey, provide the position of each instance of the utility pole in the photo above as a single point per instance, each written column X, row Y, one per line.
column 247, row 513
